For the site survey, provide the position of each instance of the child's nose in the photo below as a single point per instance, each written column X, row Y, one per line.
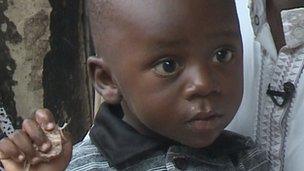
column 201, row 82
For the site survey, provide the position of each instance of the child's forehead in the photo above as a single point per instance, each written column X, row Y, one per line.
column 172, row 11
column 168, row 19
column 177, row 6
column 143, row 6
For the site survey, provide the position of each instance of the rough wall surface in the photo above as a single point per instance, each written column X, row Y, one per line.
column 32, row 22
column 66, row 88
column 43, row 61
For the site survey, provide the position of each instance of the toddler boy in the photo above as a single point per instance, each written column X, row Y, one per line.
column 170, row 72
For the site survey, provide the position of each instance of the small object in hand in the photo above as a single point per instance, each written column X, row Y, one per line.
column 55, row 136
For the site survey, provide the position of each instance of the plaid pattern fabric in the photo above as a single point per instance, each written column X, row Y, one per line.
column 86, row 157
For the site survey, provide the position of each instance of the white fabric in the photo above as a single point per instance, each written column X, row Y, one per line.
column 247, row 126
column 279, row 130
column 5, row 123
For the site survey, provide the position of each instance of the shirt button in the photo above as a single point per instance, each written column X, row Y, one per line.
column 180, row 162
column 256, row 20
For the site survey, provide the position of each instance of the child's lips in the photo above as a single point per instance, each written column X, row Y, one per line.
column 205, row 116
column 205, row 121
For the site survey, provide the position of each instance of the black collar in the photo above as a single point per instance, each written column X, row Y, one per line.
column 117, row 141
column 122, row 145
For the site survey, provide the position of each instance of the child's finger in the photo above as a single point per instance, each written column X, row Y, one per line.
column 66, row 137
column 10, row 165
column 45, row 119
column 23, row 142
column 10, row 150
column 3, row 156
column 36, row 134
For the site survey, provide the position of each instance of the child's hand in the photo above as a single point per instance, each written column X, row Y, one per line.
column 28, row 148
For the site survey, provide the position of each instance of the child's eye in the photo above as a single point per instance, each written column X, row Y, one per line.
column 222, row 56
column 167, row 67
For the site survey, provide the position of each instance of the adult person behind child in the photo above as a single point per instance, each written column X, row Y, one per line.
column 278, row 97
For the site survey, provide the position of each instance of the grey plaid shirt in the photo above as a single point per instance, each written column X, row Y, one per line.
column 113, row 145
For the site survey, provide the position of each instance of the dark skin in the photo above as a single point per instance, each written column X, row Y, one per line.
column 18, row 147
column 274, row 8
column 199, row 94
column 175, row 66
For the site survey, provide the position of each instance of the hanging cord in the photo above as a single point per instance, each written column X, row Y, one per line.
column 289, row 90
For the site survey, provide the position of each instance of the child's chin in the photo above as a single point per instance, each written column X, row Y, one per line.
column 201, row 143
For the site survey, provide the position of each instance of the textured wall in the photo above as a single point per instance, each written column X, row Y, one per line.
column 67, row 91
column 32, row 21
column 43, row 61
column 23, row 44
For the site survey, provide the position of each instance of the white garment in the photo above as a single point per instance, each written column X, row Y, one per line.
column 280, row 130
column 247, row 126
column 5, row 123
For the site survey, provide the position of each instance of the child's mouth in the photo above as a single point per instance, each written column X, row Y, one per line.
column 203, row 122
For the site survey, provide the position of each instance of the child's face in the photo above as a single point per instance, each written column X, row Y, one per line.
column 177, row 65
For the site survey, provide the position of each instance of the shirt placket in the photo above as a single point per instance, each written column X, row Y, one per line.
column 273, row 121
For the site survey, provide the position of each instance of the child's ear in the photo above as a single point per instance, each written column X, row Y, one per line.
column 103, row 81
